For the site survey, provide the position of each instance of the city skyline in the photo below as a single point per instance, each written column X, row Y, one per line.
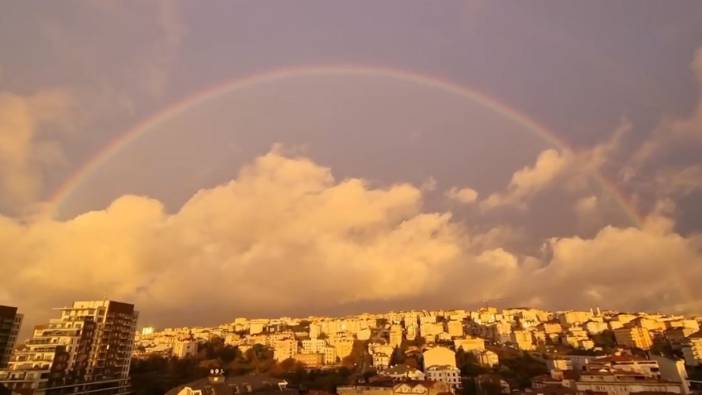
column 239, row 159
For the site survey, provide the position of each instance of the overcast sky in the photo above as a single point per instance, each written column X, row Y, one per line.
column 355, row 181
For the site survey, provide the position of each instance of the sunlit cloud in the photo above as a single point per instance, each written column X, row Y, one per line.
column 28, row 126
column 463, row 195
column 285, row 235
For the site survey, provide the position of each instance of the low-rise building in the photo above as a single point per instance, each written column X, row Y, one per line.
column 439, row 356
column 406, row 388
column 284, row 349
column 312, row 359
column 455, row 328
column 692, row 349
column 523, row 340
column 446, row 374
column 469, row 344
column 623, row 383
column 184, row 348
column 402, row 372
column 488, row 358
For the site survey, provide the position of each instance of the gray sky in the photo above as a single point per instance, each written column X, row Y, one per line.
column 511, row 216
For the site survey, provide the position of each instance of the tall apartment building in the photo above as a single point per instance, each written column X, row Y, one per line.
column 10, row 322
column 86, row 350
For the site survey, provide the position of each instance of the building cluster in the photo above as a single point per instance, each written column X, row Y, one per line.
column 431, row 340
column 88, row 347
column 614, row 374
column 86, row 350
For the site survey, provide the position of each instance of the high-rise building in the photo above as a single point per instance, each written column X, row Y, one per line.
column 86, row 350
column 10, row 322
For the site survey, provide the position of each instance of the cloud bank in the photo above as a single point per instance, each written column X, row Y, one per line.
column 285, row 235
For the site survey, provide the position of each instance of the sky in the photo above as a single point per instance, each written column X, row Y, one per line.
column 213, row 160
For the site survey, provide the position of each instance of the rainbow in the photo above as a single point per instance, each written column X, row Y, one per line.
column 64, row 191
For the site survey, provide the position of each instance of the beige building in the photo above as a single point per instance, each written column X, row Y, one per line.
column 624, row 383
column 552, row 327
column 330, row 355
column 633, row 337
column 450, row 375
column 455, row 328
column 439, row 356
column 343, row 345
column 395, row 336
column 284, row 349
column 469, row 344
column 488, row 358
column 413, row 388
column 595, row 327
column 310, row 359
column 402, row 372
column 570, row 318
column 314, row 330
column 429, row 330
column 523, row 340
column 313, row 345
column 381, row 360
column 184, row 348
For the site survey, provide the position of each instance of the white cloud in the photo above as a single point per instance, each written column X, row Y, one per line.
column 462, row 195
column 528, row 181
column 630, row 268
column 285, row 235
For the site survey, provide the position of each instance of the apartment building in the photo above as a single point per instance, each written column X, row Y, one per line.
column 10, row 322
column 87, row 349
column 633, row 337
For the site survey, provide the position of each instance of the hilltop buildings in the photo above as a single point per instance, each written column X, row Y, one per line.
column 417, row 350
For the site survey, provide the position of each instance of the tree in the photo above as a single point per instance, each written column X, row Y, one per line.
column 468, row 363
column 520, row 369
column 606, row 340
column 397, row 357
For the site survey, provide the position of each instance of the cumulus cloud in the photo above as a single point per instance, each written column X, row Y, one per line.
column 528, row 181
column 626, row 268
column 572, row 172
column 285, row 235
column 27, row 143
column 462, row 195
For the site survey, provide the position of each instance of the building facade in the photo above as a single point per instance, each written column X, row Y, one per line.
column 87, row 349
column 10, row 322
column 633, row 337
